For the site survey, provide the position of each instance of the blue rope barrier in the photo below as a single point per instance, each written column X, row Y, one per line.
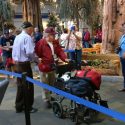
column 109, row 112
column 10, row 73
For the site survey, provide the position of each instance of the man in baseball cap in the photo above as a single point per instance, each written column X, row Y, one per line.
column 26, row 24
column 22, row 58
column 50, row 30
column 49, row 50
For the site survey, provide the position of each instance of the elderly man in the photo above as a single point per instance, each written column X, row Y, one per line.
column 48, row 49
column 23, row 53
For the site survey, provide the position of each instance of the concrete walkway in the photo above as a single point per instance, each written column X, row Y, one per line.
column 108, row 91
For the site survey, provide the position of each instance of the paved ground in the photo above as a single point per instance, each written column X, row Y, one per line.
column 109, row 91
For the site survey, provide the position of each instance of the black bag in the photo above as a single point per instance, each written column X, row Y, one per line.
column 79, row 87
column 59, row 83
column 117, row 50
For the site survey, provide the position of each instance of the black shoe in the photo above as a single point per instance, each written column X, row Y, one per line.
column 19, row 111
column 33, row 110
column 122, row 90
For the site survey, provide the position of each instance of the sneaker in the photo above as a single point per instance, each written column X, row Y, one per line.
column 19, row 111
column 33, row 110
column 122, row 90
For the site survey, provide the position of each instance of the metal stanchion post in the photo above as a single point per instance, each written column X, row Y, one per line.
column 26, row 102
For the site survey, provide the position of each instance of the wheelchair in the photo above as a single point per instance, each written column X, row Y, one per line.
column 64, row 108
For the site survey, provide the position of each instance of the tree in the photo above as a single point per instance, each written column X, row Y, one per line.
column 79, row 9
column 53, row 20
column 114, row 16
column 32, row 12
column 5, row 13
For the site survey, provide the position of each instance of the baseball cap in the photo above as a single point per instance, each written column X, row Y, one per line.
column 26, row 25
column 50, row 30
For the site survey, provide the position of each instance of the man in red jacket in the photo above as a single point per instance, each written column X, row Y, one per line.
column 48, row 50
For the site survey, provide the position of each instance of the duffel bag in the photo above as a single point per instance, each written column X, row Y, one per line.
column 93, row 75
column 80, row 87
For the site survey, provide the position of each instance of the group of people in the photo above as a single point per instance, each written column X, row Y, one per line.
column 17, row 51
column 42, row 49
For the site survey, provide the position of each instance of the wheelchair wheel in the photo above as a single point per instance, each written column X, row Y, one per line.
column 57, row 109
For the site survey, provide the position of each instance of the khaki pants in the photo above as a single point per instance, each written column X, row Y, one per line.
column 48, row 78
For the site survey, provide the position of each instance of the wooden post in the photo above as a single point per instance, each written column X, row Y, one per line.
column 32, row 12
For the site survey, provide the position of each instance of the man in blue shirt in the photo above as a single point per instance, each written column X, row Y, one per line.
column 23, row 53
column 6, row 41
column 122, row 55
column 37, row 35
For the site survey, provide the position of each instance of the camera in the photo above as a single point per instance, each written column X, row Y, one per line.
column 72, row 28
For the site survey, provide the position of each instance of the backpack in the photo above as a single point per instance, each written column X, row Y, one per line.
column 91, row 74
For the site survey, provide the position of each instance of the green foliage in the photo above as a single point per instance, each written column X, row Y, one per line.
column 5, row 12
column 86, row 10
column 53, row 20
column 97, row 63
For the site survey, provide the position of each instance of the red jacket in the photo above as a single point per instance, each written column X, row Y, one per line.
column 87, row 36
column 44, row 52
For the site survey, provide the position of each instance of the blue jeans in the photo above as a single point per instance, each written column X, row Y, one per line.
column 85, row 44
column 77, row 56
column 123, row 68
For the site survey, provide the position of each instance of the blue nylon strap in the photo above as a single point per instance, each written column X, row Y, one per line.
column 10, row 73
column 84, row 102
column 109, row 112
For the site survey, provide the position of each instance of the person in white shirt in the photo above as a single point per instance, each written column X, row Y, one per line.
column 63, row 38
column 22, row 54
column 74, row 44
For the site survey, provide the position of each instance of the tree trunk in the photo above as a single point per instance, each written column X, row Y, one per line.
column 32, row 12
column 113, row 17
